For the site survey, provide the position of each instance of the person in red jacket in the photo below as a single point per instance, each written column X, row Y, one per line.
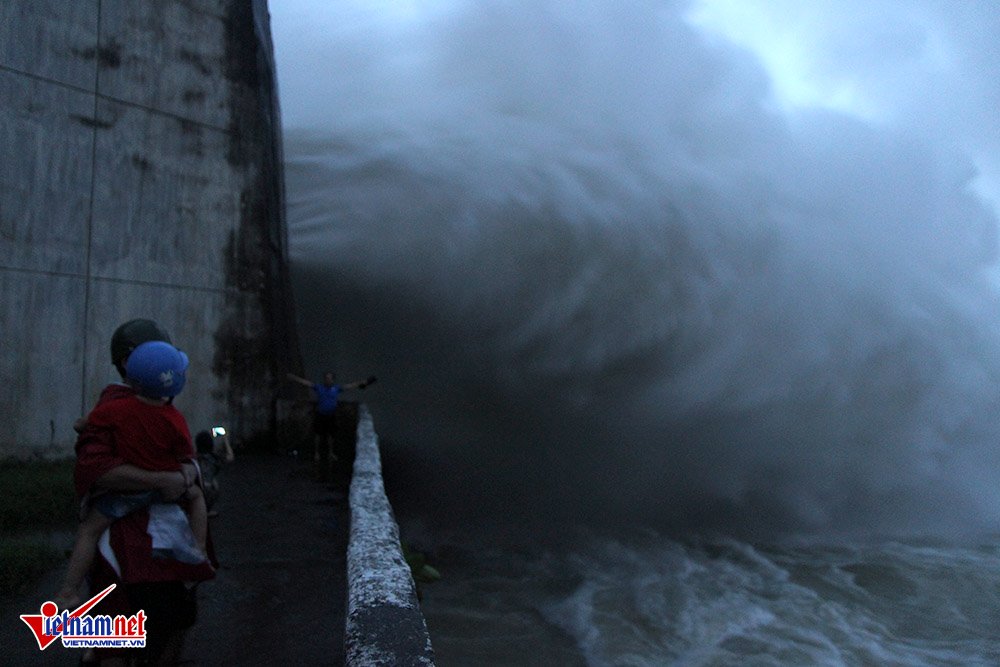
column 150, row 433
column 162, row 587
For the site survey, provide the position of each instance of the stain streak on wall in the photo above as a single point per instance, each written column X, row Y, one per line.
column 143, row 179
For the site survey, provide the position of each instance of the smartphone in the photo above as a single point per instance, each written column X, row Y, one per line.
column 218, row 430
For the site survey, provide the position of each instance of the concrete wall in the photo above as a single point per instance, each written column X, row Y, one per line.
column 384, row 623
column 141, row 178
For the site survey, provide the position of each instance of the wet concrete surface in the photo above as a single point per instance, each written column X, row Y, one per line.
column 279, row 595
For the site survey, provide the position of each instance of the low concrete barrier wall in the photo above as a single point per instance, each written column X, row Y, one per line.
column 384, row 623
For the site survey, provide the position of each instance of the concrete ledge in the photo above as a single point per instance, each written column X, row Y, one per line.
column 384, row 623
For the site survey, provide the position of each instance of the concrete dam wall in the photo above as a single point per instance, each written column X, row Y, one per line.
column 141, row 178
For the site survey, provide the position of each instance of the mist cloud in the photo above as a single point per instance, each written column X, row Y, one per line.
column 603, row 277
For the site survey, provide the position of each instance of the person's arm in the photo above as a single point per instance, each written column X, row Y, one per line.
column 225, row 452
column 100, row 468
column 360, row 384
column 302, row 381
column 127, row 477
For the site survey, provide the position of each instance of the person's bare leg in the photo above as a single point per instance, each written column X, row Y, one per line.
column 197, row 511
column 81, row 558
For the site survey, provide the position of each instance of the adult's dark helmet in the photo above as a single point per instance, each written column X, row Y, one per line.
column 133, row 333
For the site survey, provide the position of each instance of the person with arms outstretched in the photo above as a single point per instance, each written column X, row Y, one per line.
column 324, row 416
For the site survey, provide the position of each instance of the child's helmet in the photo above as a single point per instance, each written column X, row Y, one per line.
column 158, row 369
column 133, row 333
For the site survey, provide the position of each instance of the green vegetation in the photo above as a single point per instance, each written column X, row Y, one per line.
column 423, row 572
column 38, row 496
column 24, row 560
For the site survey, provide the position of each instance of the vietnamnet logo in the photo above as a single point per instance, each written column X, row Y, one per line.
column 79, row 631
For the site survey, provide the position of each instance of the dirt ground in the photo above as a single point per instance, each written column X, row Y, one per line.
column 279, row 595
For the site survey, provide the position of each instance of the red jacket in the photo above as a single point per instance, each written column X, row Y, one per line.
column 97, row 457
column 112, row 437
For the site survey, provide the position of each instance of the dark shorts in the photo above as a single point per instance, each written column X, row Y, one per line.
column 325, row 424
column 115, row 505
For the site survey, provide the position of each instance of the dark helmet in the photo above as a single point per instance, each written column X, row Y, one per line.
column 158, row 369
column 133, row 333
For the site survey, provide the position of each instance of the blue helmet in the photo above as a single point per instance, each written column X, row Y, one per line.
column 157, row 369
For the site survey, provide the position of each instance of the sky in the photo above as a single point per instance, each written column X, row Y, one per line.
column 739, row 258
column 927, row 65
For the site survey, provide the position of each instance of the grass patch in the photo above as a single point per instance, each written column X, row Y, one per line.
column 38, row 497
column 23, row 561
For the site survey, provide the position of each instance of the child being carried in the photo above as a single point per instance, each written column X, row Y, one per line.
column 150, row 433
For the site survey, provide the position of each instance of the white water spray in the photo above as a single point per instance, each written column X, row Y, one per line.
column 601, row 278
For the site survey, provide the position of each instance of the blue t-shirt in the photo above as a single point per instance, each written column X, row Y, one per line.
column 326, row 398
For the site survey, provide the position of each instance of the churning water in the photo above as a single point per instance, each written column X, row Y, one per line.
column 620, row 304
column 650, row 600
